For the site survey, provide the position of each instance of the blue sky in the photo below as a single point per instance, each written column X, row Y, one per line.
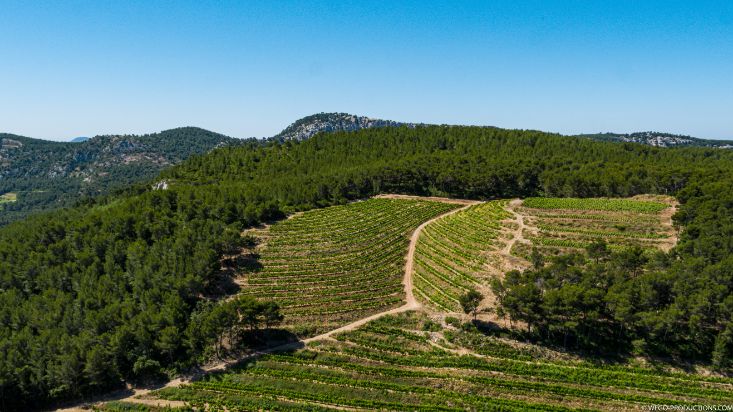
column 250, row 68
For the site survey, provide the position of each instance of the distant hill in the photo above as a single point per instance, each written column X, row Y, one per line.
column 79, row 139
column 308, row 126
column 47, row 174
column 659, row 139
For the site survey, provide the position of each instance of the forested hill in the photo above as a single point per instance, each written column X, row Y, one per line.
column 118, row 289
column 308, row 126
column 659, row 139
column 45, row 175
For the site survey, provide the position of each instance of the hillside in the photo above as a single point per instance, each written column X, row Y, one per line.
column 133, row 286
column 308, row 126
column 45, row 175
column 659, row 139
column 433, row 356
column 338, row 280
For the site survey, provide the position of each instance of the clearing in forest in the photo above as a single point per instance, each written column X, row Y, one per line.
column 331, row 266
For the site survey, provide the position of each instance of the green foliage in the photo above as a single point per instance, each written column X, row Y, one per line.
column 618, row 302
column 330, row 266
column 470, row 302
column 536, row 258
column 597, row 250
column 230, row 322
column 97, row 295
column 453, row 321
column 563, row 224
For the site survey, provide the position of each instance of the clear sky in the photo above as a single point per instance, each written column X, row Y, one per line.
column 249, row 68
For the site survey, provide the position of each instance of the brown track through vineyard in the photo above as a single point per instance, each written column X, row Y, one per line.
column 138, row 395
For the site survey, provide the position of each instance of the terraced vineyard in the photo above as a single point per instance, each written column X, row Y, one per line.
column 331, row 266
column 596, row 204
column 556, row 225
column 407, row 362
column 452, row 254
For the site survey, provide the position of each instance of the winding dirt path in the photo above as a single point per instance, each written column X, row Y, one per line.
column 507, row 261
column 503, row 261
column 668, row 223
column 138, row 395
column 518, row 233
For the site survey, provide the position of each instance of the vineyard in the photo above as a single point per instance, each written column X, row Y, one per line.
column 408, row 362
column 328, row 267
column 451, row 256
column 555, row 225
column 596, row 204
column 333, row 266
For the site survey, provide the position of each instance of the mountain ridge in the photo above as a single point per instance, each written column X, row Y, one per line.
column 309, row 126
column 48, row 174
column 658, row 139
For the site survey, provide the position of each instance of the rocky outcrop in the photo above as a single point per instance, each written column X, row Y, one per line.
column 309, row 126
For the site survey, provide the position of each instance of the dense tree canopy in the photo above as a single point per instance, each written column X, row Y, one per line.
column 625, row 302
column 107, row 291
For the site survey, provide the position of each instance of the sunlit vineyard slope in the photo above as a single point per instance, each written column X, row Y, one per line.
column 330, row 266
